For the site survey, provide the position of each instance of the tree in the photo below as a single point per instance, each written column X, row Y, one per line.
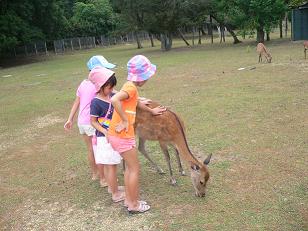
column 257, row 14
column 132, row 14
column 93, row 18
column 30, row 20
column 221, row 11
column 193, row 14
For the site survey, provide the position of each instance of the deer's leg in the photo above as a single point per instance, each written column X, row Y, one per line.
column 141, row 148
column 182, row 172
column 164, row 147
column 123, row 165
column 305, row 51
column 260, row 58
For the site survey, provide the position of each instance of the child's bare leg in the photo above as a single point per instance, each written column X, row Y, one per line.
column 131, row 178
column 102, row 178
column 111, row 176
column 88, row 141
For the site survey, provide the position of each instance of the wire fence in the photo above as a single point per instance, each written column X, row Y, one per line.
column 80, row 43
column 72, row 44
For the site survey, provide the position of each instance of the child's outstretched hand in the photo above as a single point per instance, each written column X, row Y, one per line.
column 68, row 125
column 121, row 126
column 158, row 110
column 145, row 100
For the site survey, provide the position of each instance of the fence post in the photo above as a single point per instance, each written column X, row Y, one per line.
column 35, row 48
column 14, row 51
column 102, row 43
column 79, row 43
column 94, row 42
column 46, row 49
column 72, row 45
column 63, row 45
column 54, row 45
column 26, row 50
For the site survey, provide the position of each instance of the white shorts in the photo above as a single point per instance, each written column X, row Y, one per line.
column 85, row 129
column 104, row 153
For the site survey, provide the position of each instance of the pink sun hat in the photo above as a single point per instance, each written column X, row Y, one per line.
column 99, row 76
column 140, row 69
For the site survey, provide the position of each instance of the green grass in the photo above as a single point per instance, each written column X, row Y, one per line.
column 253, row 121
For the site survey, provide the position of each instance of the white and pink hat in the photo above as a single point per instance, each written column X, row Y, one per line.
column 99, row 76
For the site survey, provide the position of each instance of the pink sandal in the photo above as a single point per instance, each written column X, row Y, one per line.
column 120, row 198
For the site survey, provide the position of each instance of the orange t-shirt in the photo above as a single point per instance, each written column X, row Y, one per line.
column 129, row 107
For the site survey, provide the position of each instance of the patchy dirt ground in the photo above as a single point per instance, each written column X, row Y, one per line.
column 253, row 121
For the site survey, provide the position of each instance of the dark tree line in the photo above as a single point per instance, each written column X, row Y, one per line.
column 24, row 21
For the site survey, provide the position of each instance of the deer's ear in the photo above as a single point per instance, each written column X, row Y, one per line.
column 195, row 167
column 207, row 160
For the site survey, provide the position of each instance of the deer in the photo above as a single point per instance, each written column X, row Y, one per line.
column 305, row 48
column 168, row 129
column 262, row 51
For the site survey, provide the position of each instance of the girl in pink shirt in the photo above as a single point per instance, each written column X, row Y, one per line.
column 84, row 95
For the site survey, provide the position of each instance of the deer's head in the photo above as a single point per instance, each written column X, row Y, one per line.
column 199, row 176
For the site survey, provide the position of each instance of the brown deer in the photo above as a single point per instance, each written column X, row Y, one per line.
column 305, row 48
column 168, row 129
column 262, row 51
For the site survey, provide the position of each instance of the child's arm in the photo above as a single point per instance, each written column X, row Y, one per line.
column 116, row 102
column 69, row 123
column 155, row 111
column 97, row 126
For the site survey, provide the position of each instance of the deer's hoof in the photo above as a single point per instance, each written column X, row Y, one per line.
column 160, row 171
column 183, row 173
column 173, row 182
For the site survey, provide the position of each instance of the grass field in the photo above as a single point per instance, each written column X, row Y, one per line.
column 254, row 122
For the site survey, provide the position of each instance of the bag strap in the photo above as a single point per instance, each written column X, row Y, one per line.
column 108, row 111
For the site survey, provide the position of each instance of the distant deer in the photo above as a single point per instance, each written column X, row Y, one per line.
column 305, row 48
column 168, row 129
column 262, row 51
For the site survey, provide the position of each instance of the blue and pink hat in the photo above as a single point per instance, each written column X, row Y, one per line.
column 140, row 69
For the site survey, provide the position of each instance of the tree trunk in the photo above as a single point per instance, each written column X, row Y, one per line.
column 152, row 41
column 260, row 35
column 268, row 36
column 202, row 30
column 286, row 26
column 236, row 40
column 193, row 37
column 280, row 28
column 166, row 41
column 139, row 46
column 199, row 30
column 211, row 28
column 157, row 36
column 222, row 32
column 182, row 36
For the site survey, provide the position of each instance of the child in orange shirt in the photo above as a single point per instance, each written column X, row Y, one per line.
column 121, row 134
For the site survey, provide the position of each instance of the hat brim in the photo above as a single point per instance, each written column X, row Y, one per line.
column 109, row 65
column 106, row 65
